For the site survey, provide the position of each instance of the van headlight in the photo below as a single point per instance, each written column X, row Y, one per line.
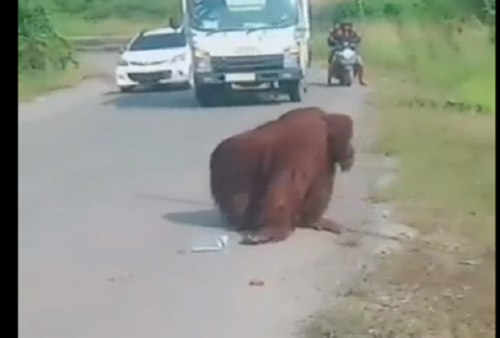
column 291, row 57
column 122, row 62
column 202, row 61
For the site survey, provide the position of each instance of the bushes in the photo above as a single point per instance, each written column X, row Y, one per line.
column 39, row 46
column 45, row 59
column 410, row 10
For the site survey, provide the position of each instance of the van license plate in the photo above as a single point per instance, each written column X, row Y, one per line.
column 240, row 77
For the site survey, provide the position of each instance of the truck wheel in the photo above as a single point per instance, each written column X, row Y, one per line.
column 206, row 95
column 294, row 90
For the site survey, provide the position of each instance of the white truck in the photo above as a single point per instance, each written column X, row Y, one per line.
column 247, row 45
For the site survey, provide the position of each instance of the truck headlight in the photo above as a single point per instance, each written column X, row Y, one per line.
column 291, row 57
column 202, row 61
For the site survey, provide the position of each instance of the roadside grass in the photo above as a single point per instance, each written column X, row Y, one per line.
column 70, row 26
column 33, row 84
column 435, row 98
column 457, row 59
column 112, row 17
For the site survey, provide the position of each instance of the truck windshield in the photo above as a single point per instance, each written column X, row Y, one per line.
column 235, row 15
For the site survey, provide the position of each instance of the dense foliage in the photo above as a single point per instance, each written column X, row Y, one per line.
column 483, row 10
column 39, row 45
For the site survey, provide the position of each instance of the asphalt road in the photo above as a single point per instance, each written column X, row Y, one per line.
column 112, row 186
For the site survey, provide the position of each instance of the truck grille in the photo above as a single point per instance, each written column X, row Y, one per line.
column 150, row 77
column 238, row 64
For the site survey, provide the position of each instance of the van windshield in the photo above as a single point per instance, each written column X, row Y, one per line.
column 158, row 41
column 234, row 15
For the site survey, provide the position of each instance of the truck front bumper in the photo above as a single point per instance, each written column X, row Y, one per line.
column 248, row 78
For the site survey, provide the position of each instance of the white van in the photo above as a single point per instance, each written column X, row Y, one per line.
column 154, row 57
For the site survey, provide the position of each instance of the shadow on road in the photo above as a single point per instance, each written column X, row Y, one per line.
column 208, row 218
column 156, row 197
column 325, row 85
column 179, row 100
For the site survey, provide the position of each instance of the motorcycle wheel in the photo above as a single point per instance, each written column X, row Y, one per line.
column 329, row 75
column 347, row 77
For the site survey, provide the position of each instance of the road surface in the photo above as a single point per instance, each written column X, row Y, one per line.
column 112, row 186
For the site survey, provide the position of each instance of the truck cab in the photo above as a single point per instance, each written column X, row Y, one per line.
column 247, row 45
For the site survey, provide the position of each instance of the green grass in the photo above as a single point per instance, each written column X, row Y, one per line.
column 447, row 166
column 460, row 65
column 33, row 84
column 113, row 17
column 69, row 26
column 446, row 190
column 458, row 60
column 445, row 186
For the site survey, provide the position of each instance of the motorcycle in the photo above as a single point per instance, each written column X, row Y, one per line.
column 342, row 65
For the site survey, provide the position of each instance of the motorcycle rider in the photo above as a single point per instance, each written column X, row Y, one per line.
column 333, row 39
column 344, row 33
